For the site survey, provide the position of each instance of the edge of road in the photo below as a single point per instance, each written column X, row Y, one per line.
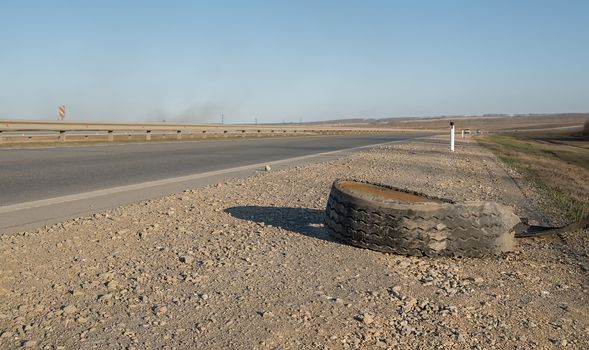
column 29, row 215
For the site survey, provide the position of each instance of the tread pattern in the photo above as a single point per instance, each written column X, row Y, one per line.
column 433, row 229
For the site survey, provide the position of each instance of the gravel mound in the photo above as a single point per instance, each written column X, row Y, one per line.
column 247, row 264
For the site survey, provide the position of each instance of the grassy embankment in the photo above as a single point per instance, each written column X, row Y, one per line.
column 557, row 163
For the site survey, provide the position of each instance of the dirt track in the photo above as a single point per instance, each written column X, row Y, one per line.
column 247, row 264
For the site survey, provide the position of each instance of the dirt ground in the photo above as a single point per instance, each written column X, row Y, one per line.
column 247, row 264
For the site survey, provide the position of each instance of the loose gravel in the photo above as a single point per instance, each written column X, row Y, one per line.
column 247, row 264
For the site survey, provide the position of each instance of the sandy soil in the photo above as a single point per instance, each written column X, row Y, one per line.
column 247, row 264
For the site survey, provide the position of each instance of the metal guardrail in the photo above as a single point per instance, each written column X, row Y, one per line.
column 22, row 131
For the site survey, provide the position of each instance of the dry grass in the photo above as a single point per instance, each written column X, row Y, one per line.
column 560, row 170
column 491, row 123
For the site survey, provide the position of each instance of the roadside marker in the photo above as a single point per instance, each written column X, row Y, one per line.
column 452, row 136
column 61, row 111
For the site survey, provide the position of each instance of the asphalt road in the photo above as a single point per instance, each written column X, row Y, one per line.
column 41, row 173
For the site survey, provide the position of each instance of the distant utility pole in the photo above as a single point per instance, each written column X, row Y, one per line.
column 222, row 118
column 256, row 121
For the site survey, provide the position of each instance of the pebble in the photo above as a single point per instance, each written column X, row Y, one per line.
column 112, row 285
column 186, row 259
column 396, row 292
column 478, row 280
column 69, row 309
column 29, row 344
column 160, row 310
column 365, row 318
column 105, row 297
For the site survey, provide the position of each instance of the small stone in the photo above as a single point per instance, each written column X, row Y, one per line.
column 160, row 310
column 207, row 263
column 396, row 292
column 409, row 304
column 544, row 293
column 368, row 319
column 267, row 167
column 105, row 276
column 68, row 310
column 29, row 344
column 365, row 318
column 112, row 285
column 105, row 297
column 76, row 292
column 186, row 259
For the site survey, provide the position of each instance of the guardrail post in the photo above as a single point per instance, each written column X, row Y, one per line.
column 179, row 135
column 111, row 136
column 148, row 135
column 62, row 135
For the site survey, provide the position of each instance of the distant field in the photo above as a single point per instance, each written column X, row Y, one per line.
column 485, row 123
column 557, row 162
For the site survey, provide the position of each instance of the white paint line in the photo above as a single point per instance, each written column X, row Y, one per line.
column 107, row 144
column 119, row 189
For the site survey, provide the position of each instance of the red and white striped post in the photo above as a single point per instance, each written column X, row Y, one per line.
column 61, row 111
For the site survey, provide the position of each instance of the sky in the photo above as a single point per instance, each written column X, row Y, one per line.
column 290, row 61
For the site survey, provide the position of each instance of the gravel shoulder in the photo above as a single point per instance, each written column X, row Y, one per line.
column 247, row 264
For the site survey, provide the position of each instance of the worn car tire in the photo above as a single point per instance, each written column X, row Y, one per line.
column 393, row 220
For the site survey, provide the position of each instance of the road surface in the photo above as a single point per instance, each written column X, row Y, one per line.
column 40, row 173
column 43, row 186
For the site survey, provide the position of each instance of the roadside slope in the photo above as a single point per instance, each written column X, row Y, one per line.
column 247, row 264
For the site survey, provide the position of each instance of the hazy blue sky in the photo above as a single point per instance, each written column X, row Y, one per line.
column 279, row 61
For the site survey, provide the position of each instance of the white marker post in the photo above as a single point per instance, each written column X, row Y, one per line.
column 452, row 136
column 462, row 133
